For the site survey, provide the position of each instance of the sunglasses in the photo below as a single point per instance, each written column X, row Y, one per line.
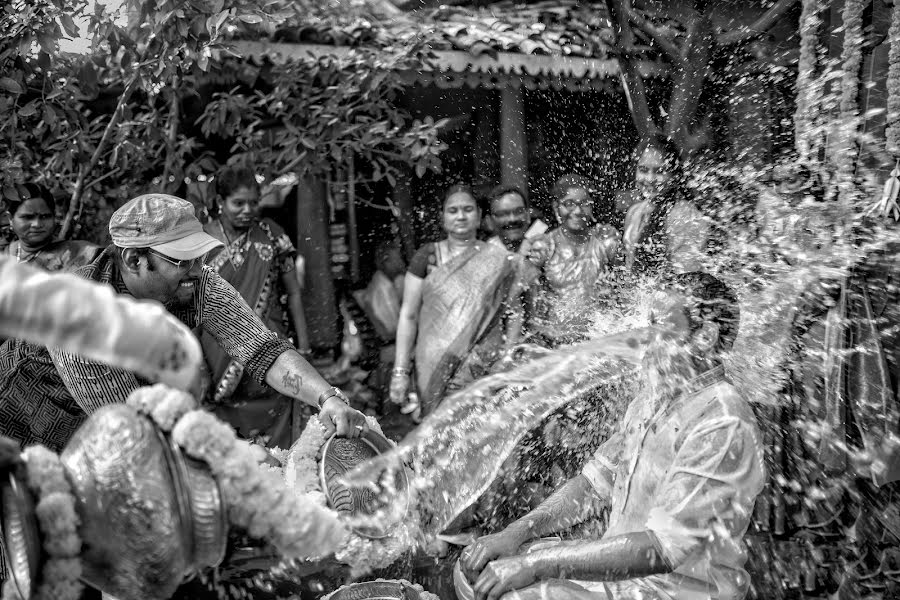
column 186, row 264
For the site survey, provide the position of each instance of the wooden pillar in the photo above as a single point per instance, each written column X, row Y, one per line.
column 513, row 142
column 319, row 300
column 403, row 199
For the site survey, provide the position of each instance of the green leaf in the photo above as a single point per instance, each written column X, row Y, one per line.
column 10, row 85
column 69, row 25
column 28, row 110
column 11, row 192
column 252, row 19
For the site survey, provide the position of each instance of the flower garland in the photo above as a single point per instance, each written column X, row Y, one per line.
column 851, row 63
column 257, row 499
column 301, row 474
column 893, row 84
column 807, row 90
column 58, row 524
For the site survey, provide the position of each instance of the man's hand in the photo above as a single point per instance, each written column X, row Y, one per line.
column 504, row 575
column 488, row 548
column 338, row 417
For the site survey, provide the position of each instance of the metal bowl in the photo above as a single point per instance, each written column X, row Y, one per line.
column 376, row 590
column 339, row 456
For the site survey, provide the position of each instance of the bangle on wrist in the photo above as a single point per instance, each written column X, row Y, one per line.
column 330, row 393
column 400, row 371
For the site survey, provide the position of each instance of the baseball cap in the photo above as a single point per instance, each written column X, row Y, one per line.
column 165, row 223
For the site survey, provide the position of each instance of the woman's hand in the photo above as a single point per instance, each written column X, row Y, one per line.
column 505, row 575
column 399, row 389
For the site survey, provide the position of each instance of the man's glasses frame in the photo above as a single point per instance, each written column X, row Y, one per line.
column 190, row 262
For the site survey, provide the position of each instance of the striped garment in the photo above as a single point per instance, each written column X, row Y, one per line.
column 46, row 394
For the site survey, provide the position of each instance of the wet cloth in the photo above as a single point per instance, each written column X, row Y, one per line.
column 463, row 297
column 254, row 263
column 688, row 470
column 572, row 281
column 680, row 240
column 64, row 255
column 46, row 394
column 380, row 301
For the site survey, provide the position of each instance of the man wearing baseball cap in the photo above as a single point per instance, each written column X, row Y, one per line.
column 157, row 253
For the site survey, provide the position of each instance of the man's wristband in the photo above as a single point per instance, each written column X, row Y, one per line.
column 330, row 393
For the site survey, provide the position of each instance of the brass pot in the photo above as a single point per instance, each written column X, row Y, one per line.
column 150, row 516
column 383, row 589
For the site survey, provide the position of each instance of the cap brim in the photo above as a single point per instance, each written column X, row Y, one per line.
column 189, row 247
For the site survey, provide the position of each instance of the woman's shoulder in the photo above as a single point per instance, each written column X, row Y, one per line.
column 422, row 258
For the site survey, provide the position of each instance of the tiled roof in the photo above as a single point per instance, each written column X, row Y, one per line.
column 551, row 28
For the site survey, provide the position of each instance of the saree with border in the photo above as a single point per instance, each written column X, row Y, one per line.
column 460, row 322
column 253, row 263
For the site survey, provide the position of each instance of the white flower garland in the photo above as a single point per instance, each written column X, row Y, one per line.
column 851, row 64
column 58, row 524
column 301, row 474
column 807, row 87
column 893, row 84
column 257, row 499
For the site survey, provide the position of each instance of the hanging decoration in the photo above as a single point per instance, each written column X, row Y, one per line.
column 808, row 85
column 887, row 205
column 847, row 151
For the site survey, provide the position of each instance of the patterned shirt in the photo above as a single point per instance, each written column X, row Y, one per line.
column 688, row 470
column 46, row 394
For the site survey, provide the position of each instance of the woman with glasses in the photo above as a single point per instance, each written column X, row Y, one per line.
column 574, row 260
column 32, row 219
column 258, row 259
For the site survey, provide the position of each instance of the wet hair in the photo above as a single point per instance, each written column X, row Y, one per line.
column 232, row 179
column 33, row 190
column 571, row 181
column 459, row 188
column 712, row 301
column 502, row 190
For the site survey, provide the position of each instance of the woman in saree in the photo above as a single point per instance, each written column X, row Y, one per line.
column 258, row 260
column 33, row 222
column 574, row 260
column 453, row 318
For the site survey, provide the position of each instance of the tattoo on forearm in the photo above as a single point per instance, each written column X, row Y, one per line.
column 292, row 382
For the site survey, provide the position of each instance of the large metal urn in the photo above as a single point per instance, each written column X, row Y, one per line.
column 150, row 516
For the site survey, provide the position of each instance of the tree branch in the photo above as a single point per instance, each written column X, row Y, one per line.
column 78, row 192
column 668, row 46
column 758, row 27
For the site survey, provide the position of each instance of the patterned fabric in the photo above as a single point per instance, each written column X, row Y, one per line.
column 63, row 310
column 254, row 264
column 462, row 306
column 45, row 394
column 65, row 255
column 687, row 469
column 573, row 278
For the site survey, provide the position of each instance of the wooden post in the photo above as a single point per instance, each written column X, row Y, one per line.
column 319, row 300
column 403, row 200
column 513, row 142
column 352, row 229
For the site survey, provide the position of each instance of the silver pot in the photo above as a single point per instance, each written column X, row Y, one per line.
column 150, row 516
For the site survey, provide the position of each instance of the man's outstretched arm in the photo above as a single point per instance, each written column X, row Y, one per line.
column 90, row 320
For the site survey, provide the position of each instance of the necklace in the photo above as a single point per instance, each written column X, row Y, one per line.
column 28, row 257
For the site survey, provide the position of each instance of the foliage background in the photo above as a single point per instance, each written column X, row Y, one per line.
column 161, row 103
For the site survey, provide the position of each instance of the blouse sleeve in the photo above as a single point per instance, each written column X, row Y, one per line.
column 285, row 252
column 418, row 266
